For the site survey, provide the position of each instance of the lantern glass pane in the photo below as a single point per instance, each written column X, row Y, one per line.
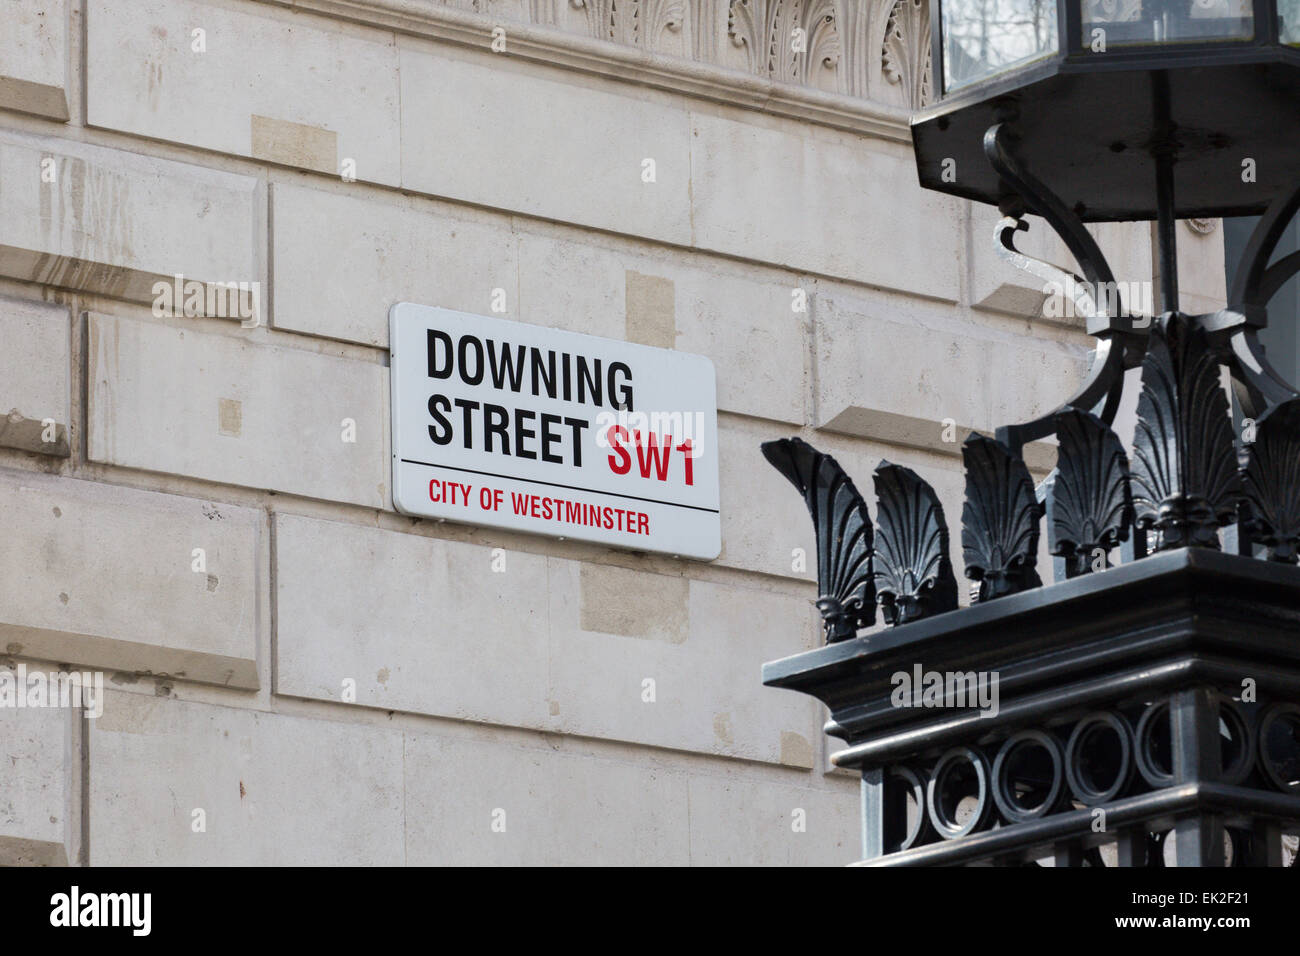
column 982, row 38
column 1288, row 21
column 1121, row 23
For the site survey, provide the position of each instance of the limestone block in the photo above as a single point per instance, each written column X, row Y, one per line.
column 34, row 58
column 842, row 206
column 479, row 128
column 742, row 822
column 415, row 623
column 34, row 370
column 1202, row 276
column 765, row 524
column 676, row 661
column 117, row 222
column 1027, row 381
column 293, row 90
column 273, row 790
column 437, row 631
column 238, row 410
column 40, row 823
column 867, row 362
column 484, row 803
column 923, row 385
column 742, row 318
column 341, row 261
column 120, row 579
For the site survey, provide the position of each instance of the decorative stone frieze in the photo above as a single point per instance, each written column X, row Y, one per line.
column 873, row 49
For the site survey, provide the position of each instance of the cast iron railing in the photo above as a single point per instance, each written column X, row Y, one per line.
column 1143, row 707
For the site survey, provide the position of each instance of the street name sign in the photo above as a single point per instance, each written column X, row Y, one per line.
column 534, row 429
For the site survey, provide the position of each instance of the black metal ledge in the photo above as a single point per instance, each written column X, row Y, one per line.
column 1168, row 620
column 1186, row 663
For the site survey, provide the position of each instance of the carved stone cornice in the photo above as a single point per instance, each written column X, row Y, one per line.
column 906, row 53
column 642, row 23
column 859, row 65
column 786, row 40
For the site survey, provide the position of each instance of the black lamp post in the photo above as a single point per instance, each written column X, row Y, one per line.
column 1145, row 705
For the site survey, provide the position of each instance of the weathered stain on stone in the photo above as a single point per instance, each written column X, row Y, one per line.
column 722, row 729
column 633, row 603
column 83, row 213
column 295, row 144
column 230, row 417
column 796, row 751
column 28, row 434
column 87, row 216
column 651, row 317
column 27, row 96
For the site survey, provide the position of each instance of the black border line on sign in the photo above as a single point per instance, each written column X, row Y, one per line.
column 552, row 484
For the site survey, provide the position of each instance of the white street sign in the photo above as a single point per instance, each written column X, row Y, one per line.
column 518, row 426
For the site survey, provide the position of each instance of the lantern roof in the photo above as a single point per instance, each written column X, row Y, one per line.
column 1096, row 90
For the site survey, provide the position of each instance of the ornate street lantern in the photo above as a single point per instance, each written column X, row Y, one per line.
column 1102, row 90
column 1142, row 708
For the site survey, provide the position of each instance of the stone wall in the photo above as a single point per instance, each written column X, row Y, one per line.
column 329, row 681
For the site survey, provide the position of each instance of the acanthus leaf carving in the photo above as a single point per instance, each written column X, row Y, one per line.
column 905, row 57
column 767, row 31
column 1184, row 479
column 877, row 50
column 1089, row 507
column 632, row 22
column 845, row 585
column 999, row 520
column 1271, row 482
column 913, row 572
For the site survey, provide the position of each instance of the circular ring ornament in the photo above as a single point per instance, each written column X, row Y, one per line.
column 943, row 817
column 1242, row 732
column 1281, row 778
column 1156, row 719
column 1144, row 745
column 1087, row 790
column 1009, row 805
column 915, row 783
